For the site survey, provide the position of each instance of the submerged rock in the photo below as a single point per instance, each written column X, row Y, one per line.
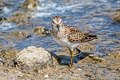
column 19, row 34
column 30, row 5
column 116, row 35
column 18, row 18
column 32, row 58
column 116, row 16
column 16, row 36
column 41, row 31
column 3, row 4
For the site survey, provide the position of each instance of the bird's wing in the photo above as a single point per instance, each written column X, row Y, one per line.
column 77, row 36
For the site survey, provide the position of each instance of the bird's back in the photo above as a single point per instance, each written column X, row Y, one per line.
column 77, row 36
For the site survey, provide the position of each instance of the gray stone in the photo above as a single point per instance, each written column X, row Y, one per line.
column 32, row 58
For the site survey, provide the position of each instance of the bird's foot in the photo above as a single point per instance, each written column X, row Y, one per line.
column 71, row 65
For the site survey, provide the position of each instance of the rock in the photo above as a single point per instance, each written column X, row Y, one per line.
column 117, row 35
column 30, row 5
column 92, row 59
column 41, row 31
column 2, row 19
column 3, row 4
column 116, row 16
column 113, row 61
column 1, row 45
column 86, row 48
column 7, row 57
column 115, row 55
column 19, row 18
column 8, row 54
column 32, row 58
column 96, row 58
column 19, row 35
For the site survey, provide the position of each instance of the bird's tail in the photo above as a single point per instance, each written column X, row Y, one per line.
column 90, row 37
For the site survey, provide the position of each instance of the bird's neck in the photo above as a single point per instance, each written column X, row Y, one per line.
column 56, row 28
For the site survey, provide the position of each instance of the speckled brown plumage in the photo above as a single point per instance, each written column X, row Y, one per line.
column 77, row 36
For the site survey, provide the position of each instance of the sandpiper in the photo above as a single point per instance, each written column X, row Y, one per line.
column 68, row 36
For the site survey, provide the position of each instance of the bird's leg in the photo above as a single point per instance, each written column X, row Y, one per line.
column 71, row 59
column 78, row 50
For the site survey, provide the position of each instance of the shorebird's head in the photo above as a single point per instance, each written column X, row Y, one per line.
column 56, row 22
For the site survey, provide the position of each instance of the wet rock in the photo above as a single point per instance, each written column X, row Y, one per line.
column 19, row 35
column 19, row 18
column 113, row 61
column 116, row 16
column 3, row 4
column 92, row 59
column 1, row 45
column 96, row 58
column 2, row 19
column 108, row 42
column 7, row 57
column 8, row 54
column 116, row 35
column 117, row 47
column 31, row 59
column 30, row 5
column 87, row 48
column 68, row 2
column 115, row 55
column 41, row 31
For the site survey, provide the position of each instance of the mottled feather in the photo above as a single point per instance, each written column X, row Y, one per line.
column 77, row 36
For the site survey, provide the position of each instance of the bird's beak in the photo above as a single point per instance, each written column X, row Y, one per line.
column 58, row 27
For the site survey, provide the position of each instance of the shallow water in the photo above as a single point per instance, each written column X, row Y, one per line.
column 88, row 15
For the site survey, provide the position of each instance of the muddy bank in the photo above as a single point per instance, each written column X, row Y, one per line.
column 86, row 66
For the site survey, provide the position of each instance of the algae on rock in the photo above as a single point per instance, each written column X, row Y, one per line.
column 30, row 5
column 41, row 31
